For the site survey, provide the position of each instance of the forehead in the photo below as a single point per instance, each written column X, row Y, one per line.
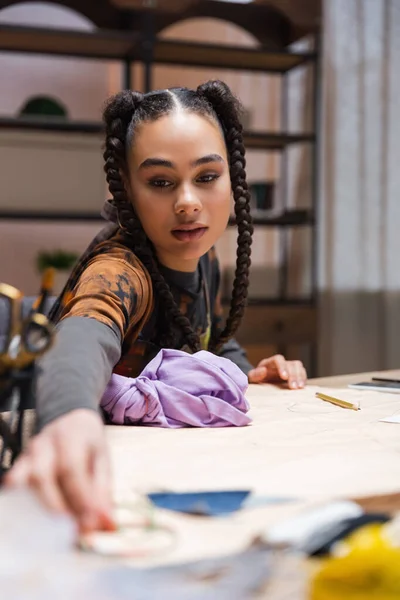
column 177, row 136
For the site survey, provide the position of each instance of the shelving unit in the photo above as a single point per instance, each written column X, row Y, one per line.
column 278, row 323
column 253, row 140
column 288, row 220
column 116, row 45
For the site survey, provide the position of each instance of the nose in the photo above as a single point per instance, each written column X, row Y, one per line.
column 187, row 202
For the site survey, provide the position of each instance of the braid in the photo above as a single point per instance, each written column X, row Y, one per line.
column 226, row 108
column 118, row 116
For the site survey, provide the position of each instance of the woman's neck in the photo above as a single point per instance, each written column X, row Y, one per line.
column 175, row 263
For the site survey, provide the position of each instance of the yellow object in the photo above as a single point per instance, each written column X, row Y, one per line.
column 366, row 567
column 46, row 287
column 48, row 279
column 26, row 338
column 337, row 401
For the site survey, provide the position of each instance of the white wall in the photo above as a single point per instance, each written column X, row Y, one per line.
column 51, row 172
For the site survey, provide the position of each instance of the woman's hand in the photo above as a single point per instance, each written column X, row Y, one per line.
column 277, row 370
column 67, row 464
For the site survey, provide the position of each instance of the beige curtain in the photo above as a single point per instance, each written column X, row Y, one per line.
column 360, row 191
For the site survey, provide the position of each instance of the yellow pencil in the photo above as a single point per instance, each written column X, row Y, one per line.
column 45, row 290
column 337, row 401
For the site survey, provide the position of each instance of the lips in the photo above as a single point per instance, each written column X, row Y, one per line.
column 189, row 233
column 189, row 226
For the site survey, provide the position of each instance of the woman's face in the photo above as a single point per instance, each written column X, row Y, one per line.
column 180, row 187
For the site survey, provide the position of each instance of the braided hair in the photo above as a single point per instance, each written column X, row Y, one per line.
column 122, row 114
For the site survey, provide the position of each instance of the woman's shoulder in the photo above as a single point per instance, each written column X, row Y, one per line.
column 114, row 266
column 114, row 249
column 113, row 287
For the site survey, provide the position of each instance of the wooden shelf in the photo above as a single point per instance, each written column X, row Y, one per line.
column 116, row 45
column 287, row 302
column 275, row 141
column 287, row 220
column 100, row 44
column 37, row 215
column 227, row 57
column 51, row 125
column 252, row 139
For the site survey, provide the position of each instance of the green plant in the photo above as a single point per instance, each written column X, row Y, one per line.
column 59, row 259
column 44, row 106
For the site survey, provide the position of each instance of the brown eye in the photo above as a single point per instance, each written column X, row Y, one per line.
column 160, row 183
column 209, row 178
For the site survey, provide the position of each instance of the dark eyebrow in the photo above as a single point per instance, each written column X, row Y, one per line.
column 162, row 162
column 156, row 162
column 207, row 159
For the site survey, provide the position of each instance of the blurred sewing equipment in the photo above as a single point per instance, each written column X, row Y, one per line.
column 25, row 339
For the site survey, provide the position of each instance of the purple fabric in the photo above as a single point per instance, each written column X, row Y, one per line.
column 177, row 389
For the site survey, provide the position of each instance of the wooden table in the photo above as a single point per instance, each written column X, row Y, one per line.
column 297, row 447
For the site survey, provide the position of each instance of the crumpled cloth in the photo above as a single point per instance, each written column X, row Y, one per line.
column 177, row 389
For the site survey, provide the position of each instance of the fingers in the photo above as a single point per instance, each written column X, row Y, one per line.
column 297, row 375
column 76, row 485
column 85, row 480
column 43, row 476
column 102, row 479
column 36, row 469
column 70, row 476
column 257, row 375
column 277, row 367
column 18, row 476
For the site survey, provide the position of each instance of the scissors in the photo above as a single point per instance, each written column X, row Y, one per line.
column 26, row 338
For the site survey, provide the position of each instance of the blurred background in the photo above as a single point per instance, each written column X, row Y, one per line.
column 320, row 88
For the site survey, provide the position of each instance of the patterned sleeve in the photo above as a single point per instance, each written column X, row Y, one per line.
column 114, row 289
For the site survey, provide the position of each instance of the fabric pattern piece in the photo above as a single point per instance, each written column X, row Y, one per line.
column 177, row 389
